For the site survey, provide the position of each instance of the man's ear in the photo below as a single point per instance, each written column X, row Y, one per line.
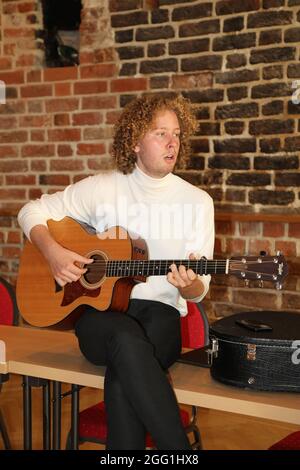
column 137, row 148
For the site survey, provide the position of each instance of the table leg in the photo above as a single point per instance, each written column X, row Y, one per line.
column 56, row 399
column 46, row 416
column 27, row 422
column 74, row 416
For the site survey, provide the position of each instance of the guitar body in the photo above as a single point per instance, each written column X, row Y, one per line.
column 42, row 302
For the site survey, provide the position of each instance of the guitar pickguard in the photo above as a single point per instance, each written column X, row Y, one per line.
column 74, row 290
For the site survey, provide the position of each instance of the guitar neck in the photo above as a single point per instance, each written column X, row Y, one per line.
column 147, row 268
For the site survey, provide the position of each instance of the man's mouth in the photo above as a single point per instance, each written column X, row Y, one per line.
column 170, row 157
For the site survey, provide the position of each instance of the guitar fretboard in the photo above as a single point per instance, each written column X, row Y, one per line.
column 162, row 267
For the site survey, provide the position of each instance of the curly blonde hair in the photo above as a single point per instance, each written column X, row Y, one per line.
column 136, row 120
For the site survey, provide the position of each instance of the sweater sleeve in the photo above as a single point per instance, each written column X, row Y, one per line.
column 76, row 201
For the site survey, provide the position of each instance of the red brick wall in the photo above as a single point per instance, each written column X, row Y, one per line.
column 236, row 61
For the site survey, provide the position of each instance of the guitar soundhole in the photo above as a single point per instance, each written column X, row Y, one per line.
column 95, row 271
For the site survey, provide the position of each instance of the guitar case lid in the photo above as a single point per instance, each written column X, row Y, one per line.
column 258, row 350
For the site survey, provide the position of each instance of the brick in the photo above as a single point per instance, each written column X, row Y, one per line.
column 158, row 66
column 235, row 246
column 194, row 11
column 13, row 108
column 229, row 162
column 274, row 54
column 272, row 36
column 38, row 135
column 64, row 150
column 62, row 89
column 249, row 179
column 236, row 60
column 268, row 197
column 12, row 194
column 294, row 230
column 237, row 93
column 130, row 52
column 225, row 227
column 195, row 163
column 272, row 3
column 237, row 76
column 130, row 19
column 90, row 87
column 290, row 301
column 8, row 122
column 45, row 150
column 66, row 165
column 20, row 180
column 288, row 179
column 128, row 84
column 242, row 145
column 58, row 74
column 204, row 96
column 35, row 121
column 159, row 16
column 31, row 91
column 273, row 107
column 156, row 50
column 188, row 47
column 38, row 165
column 124, row 36
column 123, row 5
column 99, row 102
column 58, row 180
column 209, row 62
column 13, row 166
column 159, row 82
column 8, row 151
column 236, row 6
column 269, row 18
column 13, row 78
column 57, row 135
column 98, row 71
column 246, row 297
column 153, row 33
column 272, row 71
column 200, row 145
column 234, row 41
column 271, row 89
column 14, row 237
column 250, row 229
column 282, row 162
column 273, row 229
column 200, row 28
column 242, row 110
column 128, row 69
column 293, row 71
column 288, row 248
column 234, row 127
column 61, row 105
column 235, row 195
column 233, row 24
column 13, row 137
column 87, row 118
column 269, row 145
column 271, row 126
column 90, row 149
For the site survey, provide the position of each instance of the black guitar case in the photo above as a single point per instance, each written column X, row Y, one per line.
column 257, row 350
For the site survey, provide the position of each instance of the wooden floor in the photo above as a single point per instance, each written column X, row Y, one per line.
column 219, row 430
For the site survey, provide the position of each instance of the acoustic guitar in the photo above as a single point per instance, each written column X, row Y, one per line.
column 120, row 260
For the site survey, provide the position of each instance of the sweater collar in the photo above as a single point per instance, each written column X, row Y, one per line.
column 149, row 182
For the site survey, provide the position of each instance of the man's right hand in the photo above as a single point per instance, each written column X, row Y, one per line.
column 66, row 266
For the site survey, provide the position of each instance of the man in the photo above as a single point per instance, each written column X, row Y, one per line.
column 176, row 220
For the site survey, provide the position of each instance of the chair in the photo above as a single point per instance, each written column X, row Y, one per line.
column 92, row 423
column 9, row 315
column 290, row 442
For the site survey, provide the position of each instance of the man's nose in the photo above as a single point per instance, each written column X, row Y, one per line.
column 172, row 141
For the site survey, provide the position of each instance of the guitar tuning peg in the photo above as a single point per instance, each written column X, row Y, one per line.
column 263, row 253
column 247, row 284
column 261, row 284
column 278, row 285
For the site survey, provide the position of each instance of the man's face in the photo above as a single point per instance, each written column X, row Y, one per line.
column 158, row 149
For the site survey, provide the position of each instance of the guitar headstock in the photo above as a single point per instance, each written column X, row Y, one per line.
column 259, row 268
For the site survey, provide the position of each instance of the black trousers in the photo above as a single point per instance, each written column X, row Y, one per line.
column 137, row 348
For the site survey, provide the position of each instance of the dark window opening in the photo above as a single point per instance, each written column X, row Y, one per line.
column 61, row 32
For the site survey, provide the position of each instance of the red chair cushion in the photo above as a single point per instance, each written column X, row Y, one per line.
column 192, row 328
column 290, row 442
column 93, row 424
column 6, row 307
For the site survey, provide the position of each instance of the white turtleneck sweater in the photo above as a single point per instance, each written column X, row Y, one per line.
column 173, row 216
